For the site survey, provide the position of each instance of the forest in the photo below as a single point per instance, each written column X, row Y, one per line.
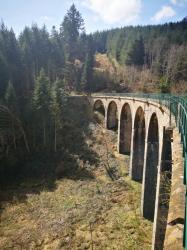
column 154, row 54
column 39, row 70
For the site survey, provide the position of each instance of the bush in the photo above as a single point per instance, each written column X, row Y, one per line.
column 164, row 85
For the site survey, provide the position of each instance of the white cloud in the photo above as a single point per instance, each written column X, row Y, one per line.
column 165, row 13
column 179, row 2
column 46, row 18
column 174, row 1
column 115, row 11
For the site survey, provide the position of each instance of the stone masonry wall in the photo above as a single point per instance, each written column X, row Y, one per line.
column 174, row 231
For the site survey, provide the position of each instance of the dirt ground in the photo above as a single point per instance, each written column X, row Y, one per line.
column 99, row 209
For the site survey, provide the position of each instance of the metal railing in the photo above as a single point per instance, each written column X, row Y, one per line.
column 177, row 107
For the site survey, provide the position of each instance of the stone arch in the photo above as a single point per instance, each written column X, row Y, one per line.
column 151, row 168
column 112, row 116
column 99, row 107
column 138, row 145
column 125, row 130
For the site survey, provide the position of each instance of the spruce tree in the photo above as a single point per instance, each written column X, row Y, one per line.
column 11, row 102
column 57, row 58
column 41, row 101
column 4, row 75
column 136, row 53
column 58, row 99
column 87, row 74
column 71, row 27
column 10, row 97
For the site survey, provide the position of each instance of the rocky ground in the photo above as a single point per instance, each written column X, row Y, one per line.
column 99, row 208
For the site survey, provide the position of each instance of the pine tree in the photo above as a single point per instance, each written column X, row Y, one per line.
column 69, row 73
column 87, row 74
column 11, row 101
column 4, row 75
column 11, row 56
column 41, row 101
column 136, row 53
column 10, row 97
column 71, row 27
column 57, row 58
column 58, row 99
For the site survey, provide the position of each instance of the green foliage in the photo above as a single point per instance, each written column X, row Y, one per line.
column 10, row 97
column 155, row 51
column 136, row 53
column 58, row 97
column 11, row 132
column 41, row 95
column 100, row 39
column 3, row 74
column 41, row 102
column 87, row 74
column 70, row 76
column 164, row 85
column 10, row 60
column 57, row 57
column 71, row 27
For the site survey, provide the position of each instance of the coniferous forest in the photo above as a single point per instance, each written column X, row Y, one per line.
column 39, row 69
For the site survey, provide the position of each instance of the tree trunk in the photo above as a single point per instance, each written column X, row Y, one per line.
column 55, row 145
column 14, row 137
column 44, row 134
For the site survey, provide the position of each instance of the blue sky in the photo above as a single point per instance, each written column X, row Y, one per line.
column 98, row 14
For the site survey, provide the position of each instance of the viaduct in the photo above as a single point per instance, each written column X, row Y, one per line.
column 151, row 130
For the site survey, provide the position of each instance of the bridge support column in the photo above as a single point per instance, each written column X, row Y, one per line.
column 143, row 178
column 119, row 126
column 163, row 192
column 137, row 149
column 105, row 120
column 151, row 168
column 131, row 154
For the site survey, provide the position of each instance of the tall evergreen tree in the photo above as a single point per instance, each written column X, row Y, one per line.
column 57, row 58
column 58, row 98
column 87, row 74
column 71, row 27
column 4, row 75
column 41, row 101
column 10, row 97
column 11, row 56
column 136, row 53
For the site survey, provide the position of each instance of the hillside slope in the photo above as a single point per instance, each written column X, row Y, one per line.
column 83, row 208
column 109, row 76
column 153, row 57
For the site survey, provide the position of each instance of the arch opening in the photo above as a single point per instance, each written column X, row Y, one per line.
column 138, row 145
column 112, row 116
column 151, row 169
column 125, row 130
column 99, row 107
